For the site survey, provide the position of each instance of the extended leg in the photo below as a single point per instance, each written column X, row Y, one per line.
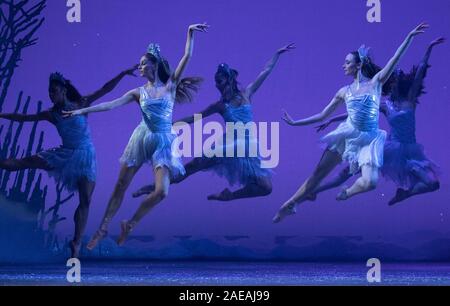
column 259, row 188
column 327, row 163
column 31, row 162
column 194, row 166
column 125, row 177
column 162, row 183
column 85, row 190
column 337, row 181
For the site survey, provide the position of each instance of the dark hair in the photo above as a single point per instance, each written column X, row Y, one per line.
column 72, row 93
column 369, row 69
column 185, row 88
column 162, row 66
column 403, row 83
column 233, row 88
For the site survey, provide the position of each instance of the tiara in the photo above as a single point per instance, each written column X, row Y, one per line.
column 363, row 52
column 224, row 68
column 155, row 50
column 57, row 77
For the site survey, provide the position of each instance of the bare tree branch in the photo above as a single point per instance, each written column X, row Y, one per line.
column 19, row 22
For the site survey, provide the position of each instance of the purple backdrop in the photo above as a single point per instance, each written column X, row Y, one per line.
column 113, row 35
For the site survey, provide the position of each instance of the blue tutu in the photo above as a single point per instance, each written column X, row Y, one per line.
column 75, row 159
column 153, row 140
column 239, row 170
column 401, row 160
column 402, row 154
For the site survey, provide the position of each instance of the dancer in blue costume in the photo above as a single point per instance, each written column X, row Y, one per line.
column 235, row 107
column 404, row 160
column 73, row 163
column 358, row 141
column 152, row 140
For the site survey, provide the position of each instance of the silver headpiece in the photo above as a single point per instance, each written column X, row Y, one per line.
column 363, row 52
column 155, row 50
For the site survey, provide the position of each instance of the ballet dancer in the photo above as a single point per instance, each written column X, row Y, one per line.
column 152, row 140
column 235, row 105
column 358, row 140
column 404, row 160
column 73, row 164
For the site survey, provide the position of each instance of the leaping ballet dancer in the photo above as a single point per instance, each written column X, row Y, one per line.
column 359, row 141
column 235, row 105
column 152, row 140
column 73, row 164
column 404, row 160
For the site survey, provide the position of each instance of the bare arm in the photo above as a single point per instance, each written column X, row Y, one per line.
column 326, row 112
column 342, row 117
column 188, row 50
column 386, row 72
column 108, row 87
column 337, row 118
column 210, row 110
column 42, row 116
column 422, row 70
column 253, row 87
column 107, row 106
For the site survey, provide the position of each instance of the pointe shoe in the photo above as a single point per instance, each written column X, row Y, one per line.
column 401, row 195
column 126, row 228
column 224, row 196
column 284, row 212
column 75, row 249
column 98, row 236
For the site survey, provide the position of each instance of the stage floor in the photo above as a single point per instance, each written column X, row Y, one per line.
column 225, row 273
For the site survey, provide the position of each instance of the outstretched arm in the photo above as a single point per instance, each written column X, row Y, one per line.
column 188, row 50
column 337, row 118
column 108, row 87
column 327, row 111
column 422, row 70
column 342, row 117
column 253, row 87
column 42, row 116
column 210, row 110
column 103, row 107
column 386, row 72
